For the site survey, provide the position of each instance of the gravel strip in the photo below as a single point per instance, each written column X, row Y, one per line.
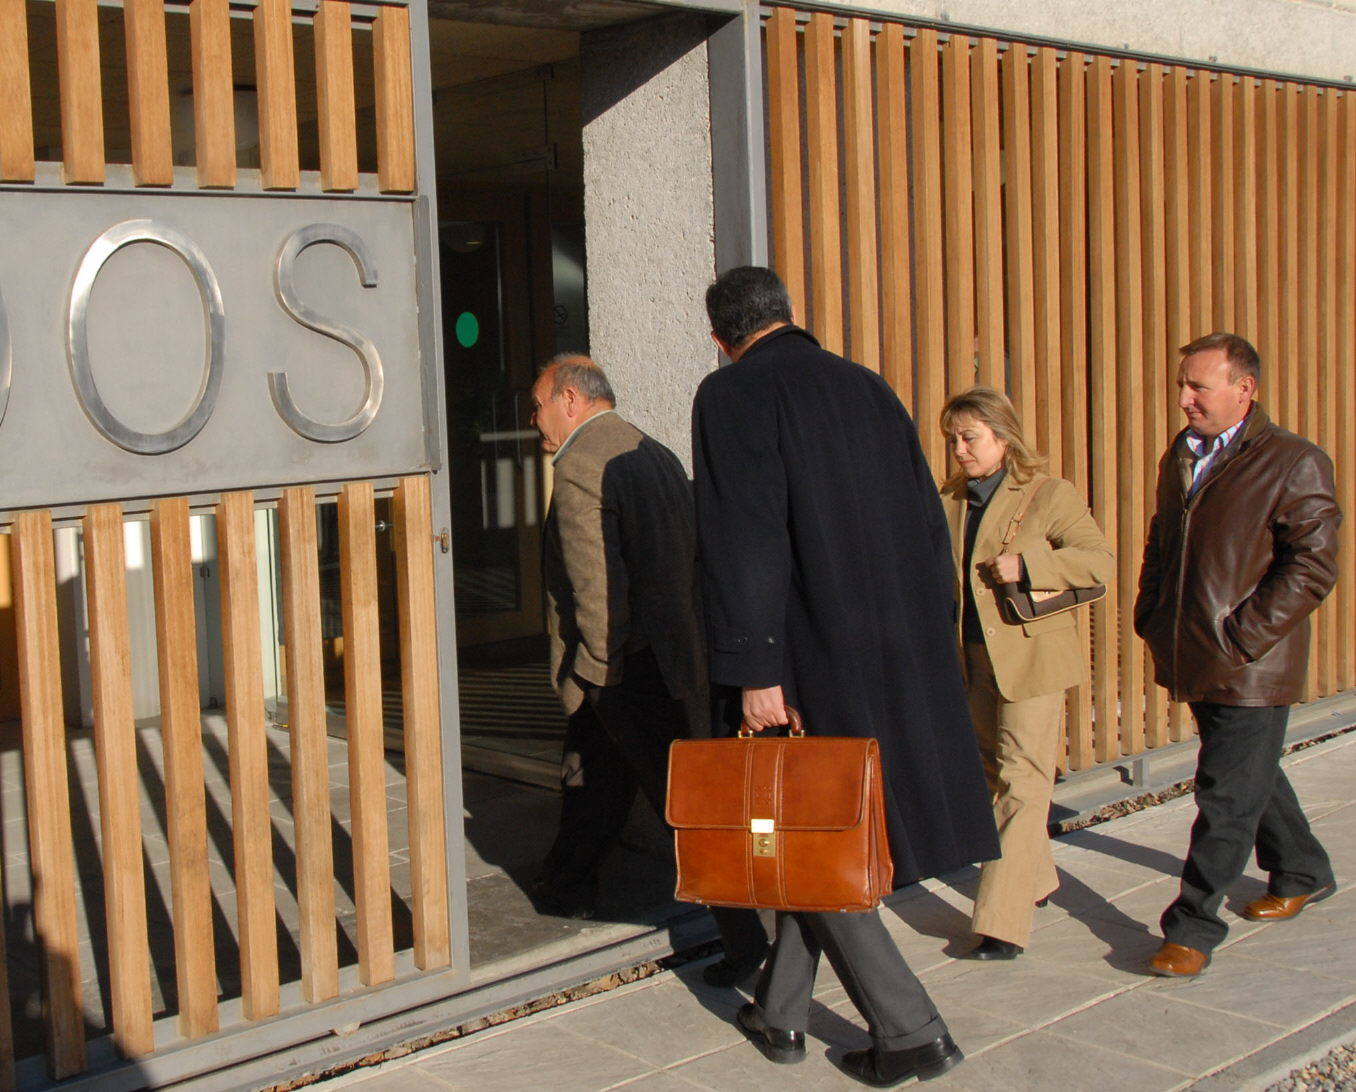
column 1334, row 1072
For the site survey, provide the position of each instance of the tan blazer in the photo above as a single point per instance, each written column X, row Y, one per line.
column 1063, row 548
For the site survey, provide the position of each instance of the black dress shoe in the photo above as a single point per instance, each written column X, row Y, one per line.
column 993, row 948
column 727, row 973
column 782, row 1047
column 887, row 1068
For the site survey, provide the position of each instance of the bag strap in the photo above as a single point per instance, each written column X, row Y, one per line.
column 1015, row 524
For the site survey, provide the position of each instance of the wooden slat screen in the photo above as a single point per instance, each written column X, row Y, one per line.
column 1069, row 219
column 80, row 84
column 196, row 947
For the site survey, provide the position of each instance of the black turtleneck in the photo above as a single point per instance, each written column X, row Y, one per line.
column 978, row 491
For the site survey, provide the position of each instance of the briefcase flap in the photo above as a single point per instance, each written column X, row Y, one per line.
column 808, row 783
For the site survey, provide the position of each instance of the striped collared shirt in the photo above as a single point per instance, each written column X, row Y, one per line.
column 1205, row 451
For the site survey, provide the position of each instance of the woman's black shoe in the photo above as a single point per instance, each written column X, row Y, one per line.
column 887, row 1068
column 782, row 1047
column 993, row 948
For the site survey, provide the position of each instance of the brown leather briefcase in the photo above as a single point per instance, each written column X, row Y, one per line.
column 785, row 823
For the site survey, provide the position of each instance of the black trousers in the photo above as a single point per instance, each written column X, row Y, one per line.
column 1244, row 803
column 897, row 1009
column 625, row 731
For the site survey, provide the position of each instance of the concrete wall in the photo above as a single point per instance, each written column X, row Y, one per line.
column 648, row 212
column 1312, row 38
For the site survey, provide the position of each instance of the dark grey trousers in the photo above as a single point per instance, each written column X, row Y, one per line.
column 894, row 1004
column 1244, row 802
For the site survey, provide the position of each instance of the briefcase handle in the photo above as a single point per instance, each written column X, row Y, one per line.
column 792, row 718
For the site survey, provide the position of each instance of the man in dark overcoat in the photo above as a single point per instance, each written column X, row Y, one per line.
column 829, row 587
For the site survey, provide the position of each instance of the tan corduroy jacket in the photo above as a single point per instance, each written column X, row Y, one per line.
column 1062, row 547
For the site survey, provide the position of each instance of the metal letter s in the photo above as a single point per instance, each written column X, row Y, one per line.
column 308, row 317
column 77, row 336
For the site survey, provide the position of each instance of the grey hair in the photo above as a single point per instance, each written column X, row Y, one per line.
column 578, row 370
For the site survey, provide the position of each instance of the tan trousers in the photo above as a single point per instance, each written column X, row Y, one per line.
column 1018, row 741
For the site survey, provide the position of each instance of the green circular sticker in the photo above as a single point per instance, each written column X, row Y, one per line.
column 468, row 329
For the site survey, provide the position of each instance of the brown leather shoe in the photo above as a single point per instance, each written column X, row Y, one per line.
column 1283, row 907
column 1178, row 961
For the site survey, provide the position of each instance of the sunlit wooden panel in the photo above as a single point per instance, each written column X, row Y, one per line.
column 362, row 711
column 1245, row 211
column 82, row 106
column 115, row 749
column 148, row 92
column 1200, row 129
column 395, row 100
column 276, row 76
column 987, row 166
column 251, row 828
column 783, row 116
column 306, row 727
column 958, row 219
column 176, row 646
column 1225, row 167
column 16, row 119
column 1329, row 378
column 1028, row 380
column 334, row 96
column 929, row 258
column 1283, row 380
column 896, row 274
column 859, row 183
column 423, row 739
column 50, row 850
column 1048, row 341
column 821, row 135
column 1345, row 456
column 213, row 92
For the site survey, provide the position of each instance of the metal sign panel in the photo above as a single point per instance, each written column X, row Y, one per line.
column 156, row 344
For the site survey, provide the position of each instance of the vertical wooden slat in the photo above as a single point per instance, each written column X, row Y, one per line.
column 1225, row 169
column 925, row 104
column 181, row 729
column 896, row 278
column 988, row 204
column 306, row 722
column 958, row 163
column 1327, row 380
column 423, row 746
column 250, row 825
column 1286, row 365
column 859, row 180
column 1345, row 456
column 148, row 92
column 1025, row 369
column 1245, row 210
column 783, row 107
column 276, row 75
column 16, row 119
column 1307, row 362
column 366, row 759
column 1045, row 244
column 1269, row 239
column 115, row 749
column 7, row 1083
column 395, row 99
column 1200, row 171
column 334, row 96
column 50, row 849
column 1157, row 351
column 821, row 134
column 1177, row 278
column 1074, row 342
column 82, row 106
column 1105, row 432
column 1128, row 454
column 213, row 92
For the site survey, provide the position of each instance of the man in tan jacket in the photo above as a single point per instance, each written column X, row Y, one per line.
column 623, row 611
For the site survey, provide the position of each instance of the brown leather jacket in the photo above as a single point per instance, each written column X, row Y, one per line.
column 1232, row 573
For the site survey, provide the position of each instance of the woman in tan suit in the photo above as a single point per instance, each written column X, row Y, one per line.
column 1016, row 674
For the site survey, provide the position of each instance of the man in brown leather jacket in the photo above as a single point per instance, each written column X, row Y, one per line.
column 1241, row 549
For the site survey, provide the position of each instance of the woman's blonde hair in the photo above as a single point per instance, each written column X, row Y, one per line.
column 993, row 409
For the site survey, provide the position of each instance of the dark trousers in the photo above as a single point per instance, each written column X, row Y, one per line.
column 1244, row 802
column 626, row 730
column 897, row 1009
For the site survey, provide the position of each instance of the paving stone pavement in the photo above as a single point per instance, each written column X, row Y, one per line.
column 1075, row 1012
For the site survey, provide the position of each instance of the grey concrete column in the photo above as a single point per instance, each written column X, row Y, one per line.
column 649, row 215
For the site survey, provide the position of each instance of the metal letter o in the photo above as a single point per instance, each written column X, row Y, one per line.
column 374, row 379
column 77, row 336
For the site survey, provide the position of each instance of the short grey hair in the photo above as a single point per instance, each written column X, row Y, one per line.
column 578, row 370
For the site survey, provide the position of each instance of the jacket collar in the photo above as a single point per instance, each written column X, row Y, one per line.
column 1255, row 427
column 998, row 514
column 767, row 339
